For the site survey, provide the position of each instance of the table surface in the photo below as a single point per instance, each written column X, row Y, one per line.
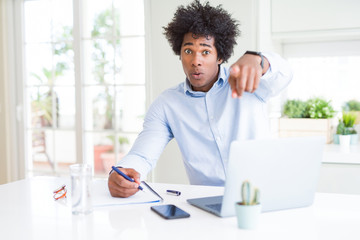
column 334, row 153
column 28, row 211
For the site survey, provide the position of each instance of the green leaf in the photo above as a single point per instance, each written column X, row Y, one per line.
column 319, row 108
column 294, row 108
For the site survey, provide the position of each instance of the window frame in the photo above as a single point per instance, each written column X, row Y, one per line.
column 19, row 101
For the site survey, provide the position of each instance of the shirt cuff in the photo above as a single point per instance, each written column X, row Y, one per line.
column 276, row 78
column 269, row 56
column 137, row 163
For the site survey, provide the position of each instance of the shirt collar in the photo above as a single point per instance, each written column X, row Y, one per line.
column 217, row 85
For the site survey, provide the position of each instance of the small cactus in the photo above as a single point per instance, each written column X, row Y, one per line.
column 249, row 196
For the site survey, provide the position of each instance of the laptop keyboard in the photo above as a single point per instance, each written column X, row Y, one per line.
column 216, row 206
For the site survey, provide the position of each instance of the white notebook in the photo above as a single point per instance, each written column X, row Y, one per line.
column 102, row 197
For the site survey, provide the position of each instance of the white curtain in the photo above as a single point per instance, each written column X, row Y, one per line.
column 10, row 169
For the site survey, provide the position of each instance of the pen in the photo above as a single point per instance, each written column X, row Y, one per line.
column 125, row 176
column 173, row 192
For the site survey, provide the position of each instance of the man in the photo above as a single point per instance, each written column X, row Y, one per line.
column 214, row 106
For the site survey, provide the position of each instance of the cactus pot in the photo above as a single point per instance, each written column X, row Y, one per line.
column 247, row 215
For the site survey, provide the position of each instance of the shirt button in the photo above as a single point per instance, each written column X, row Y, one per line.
column 217, row 139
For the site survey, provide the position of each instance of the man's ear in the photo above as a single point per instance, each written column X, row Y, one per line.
column 220, row 61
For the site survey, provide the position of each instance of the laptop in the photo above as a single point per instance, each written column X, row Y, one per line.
column 285, row 170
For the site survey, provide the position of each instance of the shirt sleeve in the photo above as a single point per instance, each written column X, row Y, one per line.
column 151, row 141
column 278, row 77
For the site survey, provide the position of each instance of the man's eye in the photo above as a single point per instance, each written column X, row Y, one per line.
column 206, row 52
column 188, row 51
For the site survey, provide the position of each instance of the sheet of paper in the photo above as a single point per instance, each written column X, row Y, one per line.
column 102, row 197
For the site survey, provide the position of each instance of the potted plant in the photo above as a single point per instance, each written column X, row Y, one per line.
column 353, row 106
column 345, row 132
column 295, row 108
column 313, row 117
column 249, row 209
column 99, row 150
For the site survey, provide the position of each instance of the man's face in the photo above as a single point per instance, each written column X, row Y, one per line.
column 200, row 63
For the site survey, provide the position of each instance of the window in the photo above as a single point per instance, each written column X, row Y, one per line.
column 324, row 69
column 332, row 78
column 84, row 82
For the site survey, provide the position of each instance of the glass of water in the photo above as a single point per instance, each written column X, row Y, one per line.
column 81, row 188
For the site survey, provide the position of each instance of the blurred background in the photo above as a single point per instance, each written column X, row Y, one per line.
column 77, row 76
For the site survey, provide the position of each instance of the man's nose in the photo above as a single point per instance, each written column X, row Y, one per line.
column 197, row 60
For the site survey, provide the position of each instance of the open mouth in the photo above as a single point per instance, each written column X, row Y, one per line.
column 196, row 75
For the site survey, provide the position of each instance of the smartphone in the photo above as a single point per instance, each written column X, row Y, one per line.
column 170, row 211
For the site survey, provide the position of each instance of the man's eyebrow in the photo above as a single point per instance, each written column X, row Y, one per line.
column 205, row 45
column 201, row 44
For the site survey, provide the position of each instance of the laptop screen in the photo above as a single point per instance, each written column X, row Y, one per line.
column 286, row 171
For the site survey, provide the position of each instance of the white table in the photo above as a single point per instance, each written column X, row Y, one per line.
column 28, row 211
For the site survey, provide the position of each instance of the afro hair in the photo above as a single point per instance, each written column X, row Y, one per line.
column 203, row 20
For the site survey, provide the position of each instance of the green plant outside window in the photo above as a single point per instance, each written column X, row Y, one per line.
column 352, row 105
column 316, row 108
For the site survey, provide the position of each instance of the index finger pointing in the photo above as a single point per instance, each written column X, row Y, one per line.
column 234, row 74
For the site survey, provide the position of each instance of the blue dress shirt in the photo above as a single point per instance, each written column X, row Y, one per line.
column 205, row 123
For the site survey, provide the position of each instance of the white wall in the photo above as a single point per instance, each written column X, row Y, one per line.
column 320, row 20
column 309, row 15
